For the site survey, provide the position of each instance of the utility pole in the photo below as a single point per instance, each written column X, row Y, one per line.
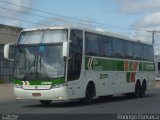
column 153, row 34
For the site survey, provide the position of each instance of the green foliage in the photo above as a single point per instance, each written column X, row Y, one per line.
column 1, row 81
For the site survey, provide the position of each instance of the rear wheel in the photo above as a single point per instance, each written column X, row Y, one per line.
column 144, row 87
column 138, row 90
column 137, row 93
column 45, row 102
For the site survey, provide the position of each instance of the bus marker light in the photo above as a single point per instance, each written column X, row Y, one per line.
column 60, row 98
column 18, row 97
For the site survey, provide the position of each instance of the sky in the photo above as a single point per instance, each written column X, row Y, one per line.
column 131, row 18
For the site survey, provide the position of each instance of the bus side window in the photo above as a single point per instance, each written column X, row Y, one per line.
column 129, row 50
column 92, row 44
column 138, row 51
column 75, row 54
column 105, row 46
column 147, row 53
column 118, row 48
column 150, row 53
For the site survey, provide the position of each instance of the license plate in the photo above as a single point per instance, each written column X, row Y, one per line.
column 36, row 94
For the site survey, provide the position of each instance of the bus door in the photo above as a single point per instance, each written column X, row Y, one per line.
column 75, row 64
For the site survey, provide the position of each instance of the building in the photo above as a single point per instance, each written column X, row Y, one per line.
column 8, row 34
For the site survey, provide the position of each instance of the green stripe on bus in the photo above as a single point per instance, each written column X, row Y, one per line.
column 98, row 64
column 128, row 76
column 140, row 66
column 118, row 65
column 16, row 81
column 41, row 82
column 130, row 65
column 148, row 66
column 104, row 64
column 58, row 80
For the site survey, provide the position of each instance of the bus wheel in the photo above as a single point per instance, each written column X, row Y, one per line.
column 144, row 87
column 138, row 90
column 45, row 102
column 89, row 94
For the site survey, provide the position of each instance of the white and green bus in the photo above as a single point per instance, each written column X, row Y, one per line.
column 66, row 63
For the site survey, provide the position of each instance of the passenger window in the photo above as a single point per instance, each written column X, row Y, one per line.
column 92, row 44
column 118, row 48
column 150, row 53
column 129, row 50
column 145, row 52
column 138, row 51
column 105, row 46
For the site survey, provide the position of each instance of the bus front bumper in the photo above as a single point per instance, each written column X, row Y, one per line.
column 50, row 94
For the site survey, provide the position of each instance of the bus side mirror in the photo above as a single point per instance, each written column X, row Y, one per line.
column 7, row 51
column 65, row 51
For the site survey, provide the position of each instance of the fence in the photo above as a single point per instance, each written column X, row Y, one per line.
column 6, row 67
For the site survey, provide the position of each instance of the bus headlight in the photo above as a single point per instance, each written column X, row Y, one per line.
column 57, row 86
column 17, row 86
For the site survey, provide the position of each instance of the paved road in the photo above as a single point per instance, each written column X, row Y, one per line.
column 118, row 104
column 6, row 93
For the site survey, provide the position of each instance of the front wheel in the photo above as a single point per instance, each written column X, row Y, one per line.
column 45, row 102
column 89, row 94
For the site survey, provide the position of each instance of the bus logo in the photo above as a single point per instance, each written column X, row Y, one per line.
column 89, row 65
column 25, row 82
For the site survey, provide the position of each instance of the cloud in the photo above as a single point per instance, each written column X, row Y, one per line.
column 20, row 3
column 9, row 12
column 137, row 6
column 149, row 13
column 59, row 20
column 150, row 20
column 142, row 36
column 13, row 23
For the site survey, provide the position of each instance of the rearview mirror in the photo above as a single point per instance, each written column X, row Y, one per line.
column 65, row 51
column 7, row 49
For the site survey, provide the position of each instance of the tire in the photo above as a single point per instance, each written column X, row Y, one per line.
column 45, row 102
column 89, row 94
column 144, row 88
column 138, row 90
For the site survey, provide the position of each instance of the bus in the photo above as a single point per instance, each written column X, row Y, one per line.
column 68, row 63
column 157, row 67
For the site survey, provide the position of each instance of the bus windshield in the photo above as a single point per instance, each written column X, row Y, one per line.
column 41, row 61
column 43, row 36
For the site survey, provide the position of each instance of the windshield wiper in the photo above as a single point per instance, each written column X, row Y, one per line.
column 34, row 63
column 40, row 62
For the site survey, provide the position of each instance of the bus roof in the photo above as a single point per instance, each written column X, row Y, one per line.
column 92, row 30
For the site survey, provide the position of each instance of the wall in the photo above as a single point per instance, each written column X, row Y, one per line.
column 8, row 34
